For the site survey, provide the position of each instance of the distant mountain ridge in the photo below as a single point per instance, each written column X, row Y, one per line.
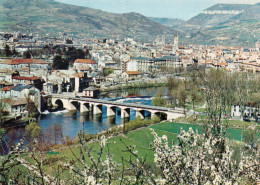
column 170, row 22
column 225, row 24
column 213, row 16
column 49, row 16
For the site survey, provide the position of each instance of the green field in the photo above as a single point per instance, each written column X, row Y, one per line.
column 232, row 133
column 117, row 146
column 142, row 139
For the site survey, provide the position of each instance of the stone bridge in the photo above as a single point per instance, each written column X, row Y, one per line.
column 95, row 105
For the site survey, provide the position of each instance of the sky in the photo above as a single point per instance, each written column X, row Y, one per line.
column 183, row 9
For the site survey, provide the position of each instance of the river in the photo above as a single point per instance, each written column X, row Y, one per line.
column 73, row 122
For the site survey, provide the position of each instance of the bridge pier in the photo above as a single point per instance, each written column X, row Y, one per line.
column 97, row 109
column 69, row 106
column 153, row 115
column 125, row 113
column 139, row 113
column 84, row 108
column 111, row 110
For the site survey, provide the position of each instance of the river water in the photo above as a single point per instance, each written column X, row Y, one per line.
column 73, row 122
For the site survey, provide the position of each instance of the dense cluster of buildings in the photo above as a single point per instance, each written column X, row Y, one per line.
column 24, row 79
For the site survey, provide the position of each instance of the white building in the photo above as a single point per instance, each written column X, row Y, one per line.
column 85, row 64
column 249, row 113
column 132, row 66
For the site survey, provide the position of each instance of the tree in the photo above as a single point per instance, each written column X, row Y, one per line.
column 158, row 100
column 182, row 96
column 9, row 173
column 57, row 132
column 250, row 137
column 52, row 135
column 108, row 71
column 58, row 51
column 242, row 90
column 14, row 52
column 2, row 134
column 194, row 94
column 27, row 54
column 255, row 98
column 69, row 41
column 32, row 131
column 88, row 55
column 72, row 54
column 3, row 111
column 203, row 159
column 172, row 83
column 219, row 96
column 7, row 51
column 80, row 53
column 59, row 63
column 31, row 108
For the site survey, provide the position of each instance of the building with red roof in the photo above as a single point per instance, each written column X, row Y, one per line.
column 131, row 75
column 16, row 64
column 85, row 63
column 5, row 92
column 33, row 80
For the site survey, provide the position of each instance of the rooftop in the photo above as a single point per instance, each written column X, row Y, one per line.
column 21, row 87
column 85, row 61
column 133, row 72
column 23, row 61
column 91, row 88
column 26, row 78
column 8, row 88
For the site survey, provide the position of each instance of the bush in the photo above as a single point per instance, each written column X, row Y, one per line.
column 138, row 123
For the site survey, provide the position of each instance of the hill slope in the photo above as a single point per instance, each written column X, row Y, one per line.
column 213, row 16
column 170, row 22
column 237, row 25
column 49, row 16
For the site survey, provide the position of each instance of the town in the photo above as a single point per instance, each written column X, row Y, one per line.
column 35, row 68
column 75, row 111
column 129, row 92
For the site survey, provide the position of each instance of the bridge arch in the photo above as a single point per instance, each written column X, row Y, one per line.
column 75, row 105
column 143, row 113
column 58, row 103
column 126, row 112
column 161, row 115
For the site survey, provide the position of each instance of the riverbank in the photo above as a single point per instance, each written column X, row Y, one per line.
column 132, row 86
column 140, row 137
column 12, row 123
